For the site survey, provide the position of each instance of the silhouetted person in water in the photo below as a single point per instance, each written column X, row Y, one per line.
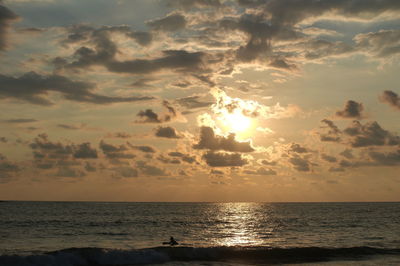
column 172, row 241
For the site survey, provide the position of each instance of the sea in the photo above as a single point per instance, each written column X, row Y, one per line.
column 125, row 233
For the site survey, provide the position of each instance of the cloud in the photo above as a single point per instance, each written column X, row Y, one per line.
column 84, row 151
column 259, row 33
column 336, row 169
column 101, row 36
column 347, row 153
column 168, row 160
column 261, row 171
column 388, row 159
column 34, row 88
column 270, row 163
column 184, row 157
column 383, row 43
column 143, row 38
column 63, row 157
column 219, row 159
column 20, row 120
column 328, row 158
column 300, row 164
column 126, row 171
column 147, row 149
column 43, row 148
column 101, row 50
column 6, row 18
column 116, row 151
column 225, row 106
column 150, row 169
column 167, row 132
column 370, row 134
column 274, row 28
column 287, row 12
column 69, row 172
column 316, row 49
column 192, row 102
column 351, row 110
column 70, row 127
column 119, row 135
column 391, row 98
column 281, row 63
column 297, row 148
column 208, row 140
column 148, row 116
column 330, row 131
column 7, row 169
column 90, row 167
column 171, row 22
column 217, row 172
column 177, row 60
column 143, row 83
column 187, row 4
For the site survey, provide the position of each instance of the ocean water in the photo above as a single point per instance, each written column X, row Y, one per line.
column 99, row 233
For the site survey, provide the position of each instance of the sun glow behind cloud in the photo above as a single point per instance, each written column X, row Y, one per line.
column 236, row 121
column 235, row 115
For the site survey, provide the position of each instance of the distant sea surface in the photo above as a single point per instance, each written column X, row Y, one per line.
column 98, row 233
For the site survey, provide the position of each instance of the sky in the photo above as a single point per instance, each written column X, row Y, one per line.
column 200, row 100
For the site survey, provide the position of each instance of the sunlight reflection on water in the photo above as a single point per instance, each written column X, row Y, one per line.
column 50, row 225
column 241, row 224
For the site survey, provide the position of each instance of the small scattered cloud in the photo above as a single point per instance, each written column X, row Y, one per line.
column 71, row 127
column 330, row 131
column 126, row 171
column 150, row 170
column 261, row 171
column 8, row 169
column 351, row 110
column 220, row 159
column 20, row 120
column 143, row 148
column 167, row 132
column 149, row 116
column 85, row 151
column 69, row 172
column 328, row 158
column 116, row 151
column 193, row 102
column 119, row 135
column 347, row 153
column 297, row 148
column 300, row 164
column 184, row 157
column 391, row 98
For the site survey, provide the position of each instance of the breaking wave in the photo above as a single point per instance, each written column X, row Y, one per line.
column 99, row 256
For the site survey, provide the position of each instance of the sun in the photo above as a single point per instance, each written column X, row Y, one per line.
column 235, row 115
column 237, row 122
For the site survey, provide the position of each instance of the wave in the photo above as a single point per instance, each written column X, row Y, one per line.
column 104, row 257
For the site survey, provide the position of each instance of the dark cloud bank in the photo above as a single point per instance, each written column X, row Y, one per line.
column 35, row 88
